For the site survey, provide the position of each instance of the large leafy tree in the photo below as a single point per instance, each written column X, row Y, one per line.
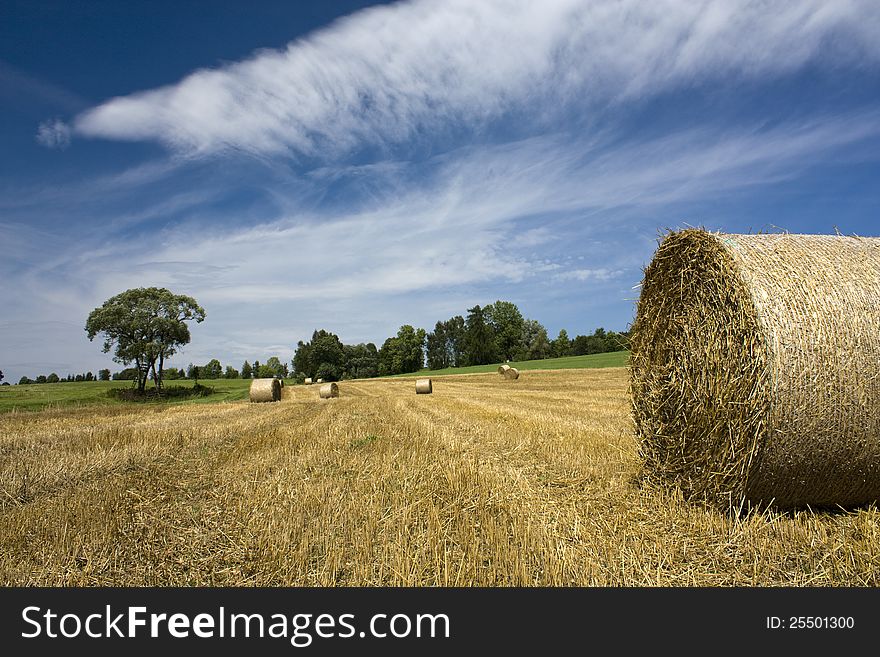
column 322, row 357
column 535, row 343
column 144, row 326
column 561, row 346
column 456, row 339
column 361, row 360
column 507, row 323
column 403, row 353
column 274, row 367
column 438, row 354
column 211, row 370
column 479, row 338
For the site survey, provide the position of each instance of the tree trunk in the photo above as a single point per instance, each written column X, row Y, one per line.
column 141, row 375
column 151, row 368
column 161, row 364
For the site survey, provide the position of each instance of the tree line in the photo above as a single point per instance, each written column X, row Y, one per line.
column 489, row 334
column 146, row 326
column 103, row 375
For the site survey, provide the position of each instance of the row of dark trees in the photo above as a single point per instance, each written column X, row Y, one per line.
column 325, row 357
column 103, row 375
column 489, row 334
column 146, row 326
column 499, row 332
column 213, row 369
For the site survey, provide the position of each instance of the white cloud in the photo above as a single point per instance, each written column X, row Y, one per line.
column 601, row 274
column 480, row 218
column 398, row 72
column 485, row 225
column 54, row 134
column 416, row 240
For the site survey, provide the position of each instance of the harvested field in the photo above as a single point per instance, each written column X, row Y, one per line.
column 480, row 483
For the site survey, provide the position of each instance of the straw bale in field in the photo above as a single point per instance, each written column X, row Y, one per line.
column 329, row 390
column 755, row 369
column 308, row 381
column 424, row 387
column 502, row 369
column 265, row 390
column 511, row 373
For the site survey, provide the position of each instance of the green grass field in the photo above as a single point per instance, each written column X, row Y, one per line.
column 36, row 397
column 613, row 359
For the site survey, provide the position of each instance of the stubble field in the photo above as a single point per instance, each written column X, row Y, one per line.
column 486, row 482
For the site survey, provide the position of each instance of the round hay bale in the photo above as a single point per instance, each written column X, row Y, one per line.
column 265, row 390
column 329, row 390
column 511, row 373
column 424, row 387
column 308, row 381
column 319, row 381
column 503, row 369
column 755, row 368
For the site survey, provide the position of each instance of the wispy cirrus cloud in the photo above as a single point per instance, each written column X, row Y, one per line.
column 405, row 71
column 54, row 133
column 482, row 215
column 413, row 159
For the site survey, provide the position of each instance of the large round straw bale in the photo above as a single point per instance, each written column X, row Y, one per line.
column 424, row 387
column 265, row 390
column 308, row 381
column 502, row 369
column 329, row 390
column 319, row 381
column 755, row 369
column 511, row 373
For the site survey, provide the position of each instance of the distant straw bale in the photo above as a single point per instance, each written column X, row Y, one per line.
column 329, row 390
column 755, row 368
column 424, row 387
column 502, row 369
column 511, row 373
column 308, row 381
column 265, row 390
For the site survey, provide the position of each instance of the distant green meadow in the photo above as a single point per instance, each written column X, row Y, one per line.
column 39, row 396
column 611, row 359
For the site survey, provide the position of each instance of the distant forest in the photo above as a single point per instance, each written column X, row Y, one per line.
column 488, row 334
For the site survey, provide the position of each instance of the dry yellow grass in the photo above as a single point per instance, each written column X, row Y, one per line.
column 485, row 482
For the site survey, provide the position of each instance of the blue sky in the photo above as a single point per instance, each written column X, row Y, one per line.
column 356, row 167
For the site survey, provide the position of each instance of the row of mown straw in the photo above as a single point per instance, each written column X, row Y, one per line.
column 756, row 368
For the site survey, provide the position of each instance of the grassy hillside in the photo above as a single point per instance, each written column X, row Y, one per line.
column 86, row 393
column 613, row 359
column 59, row 395
column 485, row 482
